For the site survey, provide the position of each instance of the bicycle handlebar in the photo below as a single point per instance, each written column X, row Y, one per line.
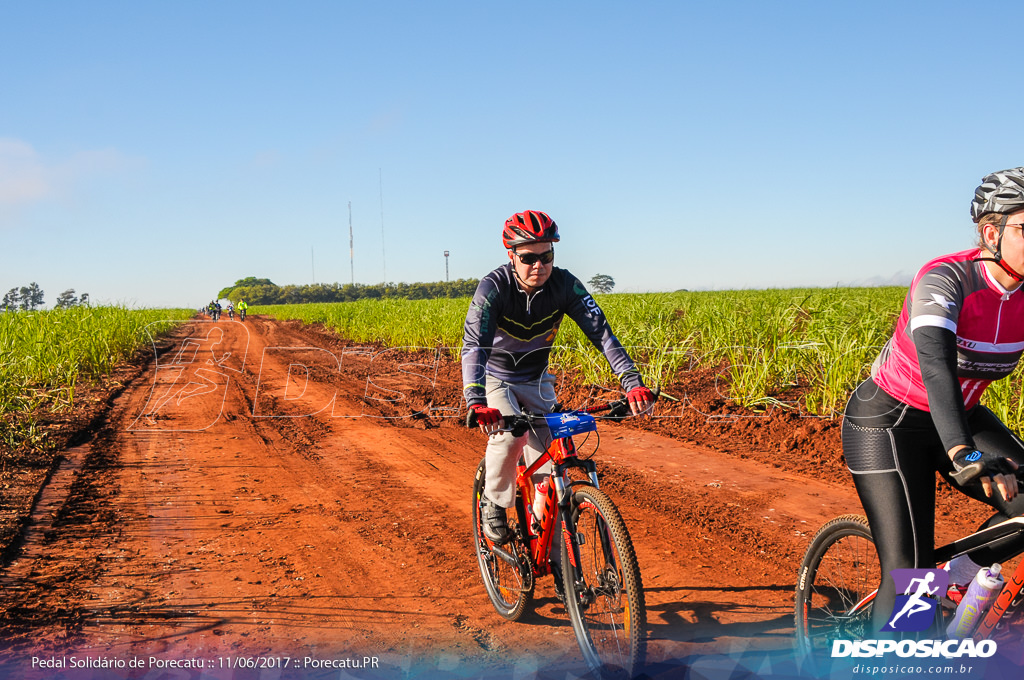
column 977, row 470
column 518, row 425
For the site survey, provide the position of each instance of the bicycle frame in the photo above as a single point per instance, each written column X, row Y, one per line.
column 1007, row 603
column 599, row 582
column 562, row 454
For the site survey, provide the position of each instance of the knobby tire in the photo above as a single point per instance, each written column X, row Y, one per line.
column 604, row 593
column 509, row 587
column 836, row 583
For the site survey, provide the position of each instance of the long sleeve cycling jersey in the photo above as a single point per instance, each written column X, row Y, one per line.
column 509, row 333
column 959, row 331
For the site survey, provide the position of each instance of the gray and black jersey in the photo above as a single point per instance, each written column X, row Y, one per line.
column 509, row 333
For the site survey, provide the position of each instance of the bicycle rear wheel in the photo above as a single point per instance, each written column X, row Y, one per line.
column 836, row 586
column 505, row 570
column 604, row 594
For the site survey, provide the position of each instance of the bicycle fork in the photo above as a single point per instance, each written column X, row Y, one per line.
column 573, row 540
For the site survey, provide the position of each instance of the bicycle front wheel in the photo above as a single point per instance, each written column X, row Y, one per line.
column 508, row 577
column 604, row 595
column 836, row 586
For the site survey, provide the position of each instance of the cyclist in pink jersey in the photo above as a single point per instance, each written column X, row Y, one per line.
column 962, row 326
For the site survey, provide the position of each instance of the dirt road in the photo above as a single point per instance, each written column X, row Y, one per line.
column 265, row 491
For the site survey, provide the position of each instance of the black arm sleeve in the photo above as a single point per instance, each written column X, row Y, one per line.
column 936, row 352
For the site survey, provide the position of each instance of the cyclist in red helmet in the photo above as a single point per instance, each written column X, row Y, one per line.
column 510, row 329
column 962, row 327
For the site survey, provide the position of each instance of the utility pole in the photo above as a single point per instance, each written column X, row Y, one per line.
column 383, row 252
column 446, row 265
column 351, row 250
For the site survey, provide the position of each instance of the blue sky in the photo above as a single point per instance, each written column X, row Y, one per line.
column 153, row 153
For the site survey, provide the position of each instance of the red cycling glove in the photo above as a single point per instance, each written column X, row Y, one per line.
column 640, row 399
column 486, row 417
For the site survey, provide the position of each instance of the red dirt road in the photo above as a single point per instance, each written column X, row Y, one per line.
column 247, row 497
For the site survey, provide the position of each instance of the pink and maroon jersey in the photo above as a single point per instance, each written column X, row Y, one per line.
column 955, row 292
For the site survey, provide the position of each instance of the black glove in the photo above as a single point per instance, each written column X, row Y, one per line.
column 970, row 464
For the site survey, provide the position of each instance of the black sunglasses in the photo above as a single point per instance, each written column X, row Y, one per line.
column 530, row 259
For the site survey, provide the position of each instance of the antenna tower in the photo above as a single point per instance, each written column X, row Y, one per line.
column 351, row 250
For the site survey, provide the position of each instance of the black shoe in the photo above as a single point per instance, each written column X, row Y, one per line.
column 493, row 522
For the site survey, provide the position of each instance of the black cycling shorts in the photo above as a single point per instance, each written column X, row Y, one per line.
column 893, row 451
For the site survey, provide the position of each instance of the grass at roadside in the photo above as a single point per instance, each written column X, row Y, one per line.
column 820, row 339
column 815, row 342
column 47, row 361
column 45, row 355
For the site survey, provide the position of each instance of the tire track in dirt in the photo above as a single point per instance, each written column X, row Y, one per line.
column 203, row 530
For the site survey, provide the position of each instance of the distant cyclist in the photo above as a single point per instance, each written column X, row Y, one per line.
column 509, row 331
column 961, row 328
column 231, row 312
column 242, row 307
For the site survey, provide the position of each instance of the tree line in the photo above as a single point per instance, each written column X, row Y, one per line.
column 257, row 291
column 30, row 298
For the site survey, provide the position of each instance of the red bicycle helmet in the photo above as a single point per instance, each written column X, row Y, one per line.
column 530, row 226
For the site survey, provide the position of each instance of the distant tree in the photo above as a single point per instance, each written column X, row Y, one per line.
column 601, row 283
column 83, row 301
column 247, row 282
column 31, row 296
column 253, row 281
column 67, row 299
column 37, row 295
column 10, row 301
column 257, row 295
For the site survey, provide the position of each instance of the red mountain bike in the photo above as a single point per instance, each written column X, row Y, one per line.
column 603, row 593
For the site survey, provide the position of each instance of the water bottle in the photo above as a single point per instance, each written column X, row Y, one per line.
column 979, row 596
column 539, row 498
column 544, row 506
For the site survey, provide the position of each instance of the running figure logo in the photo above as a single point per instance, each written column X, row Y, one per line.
column 914, row 610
